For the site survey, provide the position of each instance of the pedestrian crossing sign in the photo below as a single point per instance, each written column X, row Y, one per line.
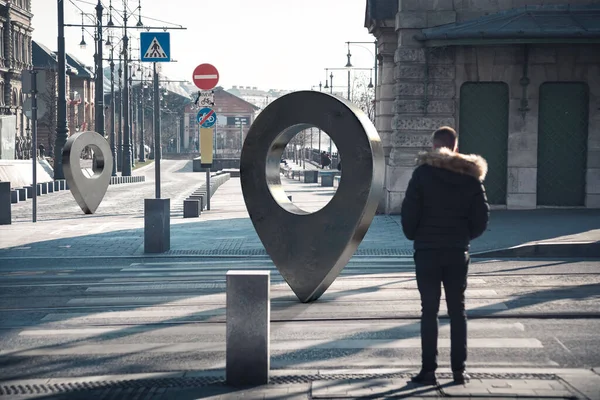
column 155, row 46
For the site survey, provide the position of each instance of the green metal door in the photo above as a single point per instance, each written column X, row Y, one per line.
column 562, row 143
column 483, row 130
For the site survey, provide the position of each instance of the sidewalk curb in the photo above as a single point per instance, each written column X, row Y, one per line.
column 589, row 249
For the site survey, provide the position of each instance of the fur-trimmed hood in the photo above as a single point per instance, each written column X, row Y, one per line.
column 465, row 164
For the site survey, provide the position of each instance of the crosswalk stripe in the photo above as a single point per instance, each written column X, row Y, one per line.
column 276, row 328
column 348, row 283
column 219, row 309
column 178, row 299
column 295, row 345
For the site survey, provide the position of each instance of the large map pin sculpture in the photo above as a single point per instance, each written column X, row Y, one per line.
column 311, row 249
column 87, row 191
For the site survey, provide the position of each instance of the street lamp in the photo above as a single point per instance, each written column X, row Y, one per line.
column 82, row 44
column 349, row 65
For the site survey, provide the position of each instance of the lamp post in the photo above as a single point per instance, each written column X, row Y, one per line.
column 62, row 129
column 349, row 65
column 120, row 107
column 126, row 168
column 142, row 152
column 99, row 84
column 113, row 148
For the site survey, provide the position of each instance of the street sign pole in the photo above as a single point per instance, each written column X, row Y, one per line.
column 157, row 135
column 34, row 112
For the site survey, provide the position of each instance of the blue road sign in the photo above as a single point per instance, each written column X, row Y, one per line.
column 206, row 117
column 155, row 46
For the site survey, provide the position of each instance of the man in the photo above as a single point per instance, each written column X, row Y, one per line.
column 445, row 207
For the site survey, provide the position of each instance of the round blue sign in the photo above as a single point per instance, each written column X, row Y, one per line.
column 206, row 117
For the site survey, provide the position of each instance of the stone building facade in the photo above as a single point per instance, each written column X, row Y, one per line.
column 15, row 56
column 519, row 79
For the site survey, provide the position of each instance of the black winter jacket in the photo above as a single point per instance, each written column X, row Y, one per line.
column 445, row 205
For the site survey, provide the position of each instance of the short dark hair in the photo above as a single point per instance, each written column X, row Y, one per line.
column 445, row 136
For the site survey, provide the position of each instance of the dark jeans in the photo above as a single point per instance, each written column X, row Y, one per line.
column 434, row 267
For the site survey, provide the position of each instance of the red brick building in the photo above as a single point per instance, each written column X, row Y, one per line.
column 234, row 117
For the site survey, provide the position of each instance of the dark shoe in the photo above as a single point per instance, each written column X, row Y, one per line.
column 460, row 377
column 425, row 378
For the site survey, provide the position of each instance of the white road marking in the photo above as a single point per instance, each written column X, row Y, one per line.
column 292, row 345
column 280, row 328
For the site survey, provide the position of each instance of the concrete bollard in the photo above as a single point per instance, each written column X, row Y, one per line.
column 191, row 208
column 248, row 316
column 14, row 196
column 44, row 187
column 62, row 184
column 311, row 176
column 327, row 180
column 29, row 191
column 22, row 194
column 50, row 187
column 157, row 225
column 5, row 206
column 56, row 186
column 200, row 198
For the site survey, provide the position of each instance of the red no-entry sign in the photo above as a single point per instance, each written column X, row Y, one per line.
column 205, row 76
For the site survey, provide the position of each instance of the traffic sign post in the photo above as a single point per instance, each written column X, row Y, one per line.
column 206, row 117
column 206, row 98
column 155, row 46
column 205, row 76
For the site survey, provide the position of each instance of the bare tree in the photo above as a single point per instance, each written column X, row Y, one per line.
column 362, row 95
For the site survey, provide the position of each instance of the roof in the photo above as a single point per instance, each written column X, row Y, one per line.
column 228, row 93
column 82, row 70
column 45, row 58
column 530, row 24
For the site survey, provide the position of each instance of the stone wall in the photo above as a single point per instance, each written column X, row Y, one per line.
column 426, row 93
column 546, row 63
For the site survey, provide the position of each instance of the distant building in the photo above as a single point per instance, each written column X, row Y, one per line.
column 253, row 95
column 81, row 93
column 46, row 60
column 519, row 79
column 234, row 117
column 15, row 56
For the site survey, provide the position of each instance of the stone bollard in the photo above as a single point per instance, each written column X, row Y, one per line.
column 39, row 189
column 248, row 316
column 14, row 196
column 62, row 184
column 191, row 208
column 56, row 186
column 29, row 191
column 5, row 206
column 50, row 187
column 22, row 194
column 157, row 225
column 44, row 187
column 327, row 180
column 200, row 198
column 311, row 176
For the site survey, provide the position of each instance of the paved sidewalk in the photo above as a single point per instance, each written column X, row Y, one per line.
column 227, row 230
column 315, row 384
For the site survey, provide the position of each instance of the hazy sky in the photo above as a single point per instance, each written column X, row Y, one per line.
column 271, row 44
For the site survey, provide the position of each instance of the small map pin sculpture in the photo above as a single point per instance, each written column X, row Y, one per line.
column 311, row 249
column 87, row 191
